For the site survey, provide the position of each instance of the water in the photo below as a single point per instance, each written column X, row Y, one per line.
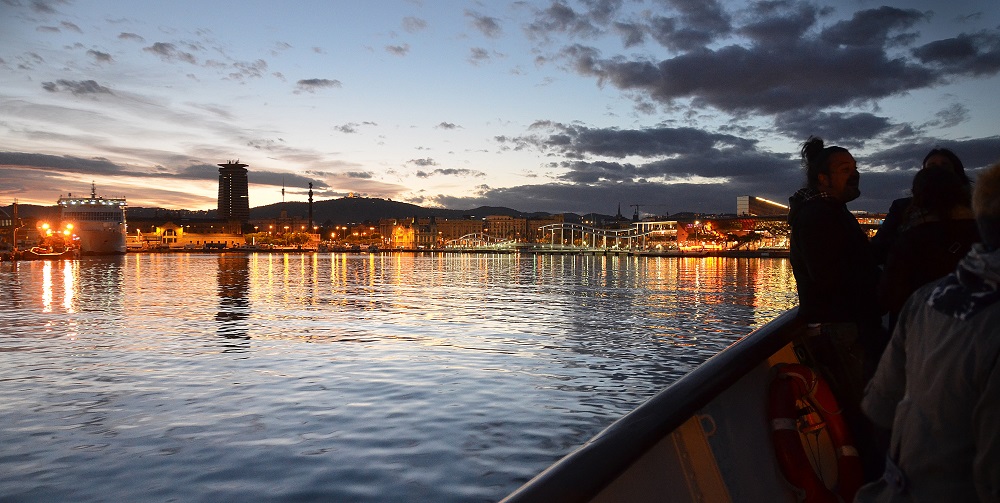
column 338, row 377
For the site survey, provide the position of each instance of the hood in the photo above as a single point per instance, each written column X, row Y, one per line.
column 974, row 286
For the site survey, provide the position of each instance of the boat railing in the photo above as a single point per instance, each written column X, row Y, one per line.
column 583, row 473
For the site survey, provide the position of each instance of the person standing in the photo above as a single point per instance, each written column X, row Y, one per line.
column 898, row 218
column 941, row 231
column 938, row 384
column 836, row 277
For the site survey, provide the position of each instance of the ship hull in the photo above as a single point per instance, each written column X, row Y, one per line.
column 107, row 239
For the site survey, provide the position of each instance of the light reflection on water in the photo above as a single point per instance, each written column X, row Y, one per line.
column 337, row 377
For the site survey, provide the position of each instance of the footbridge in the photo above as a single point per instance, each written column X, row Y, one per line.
column 480, row 241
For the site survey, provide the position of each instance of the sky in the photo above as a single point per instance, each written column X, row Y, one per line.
column 556, row 106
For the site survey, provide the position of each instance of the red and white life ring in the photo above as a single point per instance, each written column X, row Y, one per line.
column 799, row 383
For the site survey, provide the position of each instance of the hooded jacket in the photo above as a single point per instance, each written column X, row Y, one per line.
column 832, row 260
column 938, row 387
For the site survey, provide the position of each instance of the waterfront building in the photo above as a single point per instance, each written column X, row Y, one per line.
column 752, row 206
column 234, row 195
column 507, row 228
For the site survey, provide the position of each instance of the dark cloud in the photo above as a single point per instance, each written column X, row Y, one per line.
column 446, row 125
column 169, row 52
column 422, row 162
column 352, row 127
column 249, row 70
column 478, row 55
column 47, row 29
column 398, row 50
column 699, row 23
column 46, row 6
column 561, row 18
column 952, row 116
column 413, row 24
column 873, row 27
column 100, row 57
column 845, row 129
column 94, row 166
column 632, row 34
column 312, row 85
column 77, row 87
column 489, row 26
column 790, row 62
column 450, row 172
column 362, row 175
column 577, row 141
column 71, row 27
column 967, row 54
column 130, row 36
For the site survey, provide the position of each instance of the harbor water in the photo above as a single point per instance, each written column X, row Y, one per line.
column 343, row 377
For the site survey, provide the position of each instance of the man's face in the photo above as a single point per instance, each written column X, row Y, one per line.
column 842, row 181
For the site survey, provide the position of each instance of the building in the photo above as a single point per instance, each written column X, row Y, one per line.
column 234, row 195
column 752, row 206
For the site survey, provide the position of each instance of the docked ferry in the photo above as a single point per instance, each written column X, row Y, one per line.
column 98, row 222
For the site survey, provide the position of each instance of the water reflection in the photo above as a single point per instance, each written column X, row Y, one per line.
column 233, row 278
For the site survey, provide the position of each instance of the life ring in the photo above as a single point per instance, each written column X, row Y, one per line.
column 797, row 382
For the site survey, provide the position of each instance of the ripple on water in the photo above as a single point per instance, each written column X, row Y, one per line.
column 343, row 377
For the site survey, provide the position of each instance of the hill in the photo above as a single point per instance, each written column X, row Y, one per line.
column 358, row 209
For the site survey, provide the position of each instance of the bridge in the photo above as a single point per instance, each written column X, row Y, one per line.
column 481, row 241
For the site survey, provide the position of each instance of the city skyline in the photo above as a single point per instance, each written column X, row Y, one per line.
column 562, row 106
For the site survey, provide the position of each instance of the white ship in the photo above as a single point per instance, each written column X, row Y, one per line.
column 98, row 222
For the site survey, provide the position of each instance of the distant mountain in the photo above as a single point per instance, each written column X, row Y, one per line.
column 333, row 211
column 33, row 211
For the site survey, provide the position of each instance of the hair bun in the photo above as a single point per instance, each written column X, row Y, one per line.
column 812, row 149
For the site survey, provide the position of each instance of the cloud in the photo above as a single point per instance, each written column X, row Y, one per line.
column 352, row 127
column 94, row 166
column 450, row 172
column 446, row 125
column 478, row 55
column 698, row 24
column 489, row 26
column 130, row 36
column 561, row 18
column 413, row 24
column 249, row 70
column 967, row 54
column 788, row 62
column 71, row 27
column 313, row 85
column 100, row 57
column 362, row 175
column 422, row 162
column 77, row 87
column 169, row 52
column 398, row 50
column 847, row 129
column 577, row 141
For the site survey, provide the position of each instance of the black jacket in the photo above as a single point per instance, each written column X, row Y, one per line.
column 832, row 260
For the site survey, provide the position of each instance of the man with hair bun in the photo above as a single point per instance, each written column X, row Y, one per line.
column 836, row 276
column 938, row 383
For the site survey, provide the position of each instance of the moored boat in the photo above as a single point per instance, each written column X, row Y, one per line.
column 98, row 222
column 47, row 253
column 711, row 436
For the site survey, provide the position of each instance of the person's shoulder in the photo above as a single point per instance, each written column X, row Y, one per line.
column 900, row 204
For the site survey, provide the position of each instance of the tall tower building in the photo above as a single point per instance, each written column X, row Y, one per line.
column 234, row 194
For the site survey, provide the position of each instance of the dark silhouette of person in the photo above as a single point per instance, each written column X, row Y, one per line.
column 836, row 277
column 896, row 219
column 941, row 229
column 938, row 384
